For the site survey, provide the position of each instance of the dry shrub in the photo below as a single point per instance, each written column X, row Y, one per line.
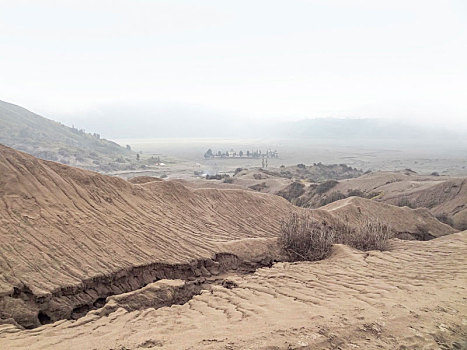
column 405, row 202
column 305, row 238
column 228, row 180
column 370, row 235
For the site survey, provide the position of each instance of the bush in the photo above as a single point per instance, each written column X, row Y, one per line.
column 217, row 177
column 238, row 170
column 259, row 187
column 293, row 191
column 371, row 235
column 228, row 180
column 326, row 186
column 355, row 193
column 404, row 202
column 305, row 238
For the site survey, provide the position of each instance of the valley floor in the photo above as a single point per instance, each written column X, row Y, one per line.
column 410, row 297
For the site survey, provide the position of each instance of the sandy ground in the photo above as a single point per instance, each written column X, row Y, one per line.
column 70, row 237
column 411, row 297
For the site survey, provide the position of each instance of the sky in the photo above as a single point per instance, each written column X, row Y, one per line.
column 254, row 60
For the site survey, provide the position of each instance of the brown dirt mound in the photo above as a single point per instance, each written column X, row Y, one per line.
column 71, row 237
column 415, row 223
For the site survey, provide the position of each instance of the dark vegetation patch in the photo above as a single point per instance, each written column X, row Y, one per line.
column 293, row 191
column 259, row 176
column 317, row 172
column 332, row 197
column 318, row 195
column 326, row 186
column 259, row 187
column 238, row 170
column 217, row 177
column 405, row 202
column 444, row 218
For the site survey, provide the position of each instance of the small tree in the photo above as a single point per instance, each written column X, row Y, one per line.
column 208, row 154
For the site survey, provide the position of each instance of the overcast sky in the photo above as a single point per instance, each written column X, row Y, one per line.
column 289, row 59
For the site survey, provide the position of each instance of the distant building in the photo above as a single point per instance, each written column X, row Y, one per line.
column 241, row 154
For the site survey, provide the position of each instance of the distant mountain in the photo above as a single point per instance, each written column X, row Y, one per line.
column 49, row 140
column 152, row 121
column 362, row 129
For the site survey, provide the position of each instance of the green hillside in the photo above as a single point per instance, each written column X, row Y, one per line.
column 47, row 139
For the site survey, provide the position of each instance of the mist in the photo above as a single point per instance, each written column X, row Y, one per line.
column 176, row 65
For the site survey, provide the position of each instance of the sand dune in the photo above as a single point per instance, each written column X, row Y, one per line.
column 70, row 237
column 442, row 195
column 411, row 297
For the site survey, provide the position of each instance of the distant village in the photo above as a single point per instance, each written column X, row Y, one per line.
column 258, row 154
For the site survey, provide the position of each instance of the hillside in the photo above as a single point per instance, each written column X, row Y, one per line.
column 47, row 139
column 70, row 237
column 274, row 180
column 445, row 197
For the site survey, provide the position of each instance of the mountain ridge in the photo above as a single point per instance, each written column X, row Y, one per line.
column 50, row 140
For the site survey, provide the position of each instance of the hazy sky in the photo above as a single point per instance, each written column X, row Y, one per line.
column 285, row 59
